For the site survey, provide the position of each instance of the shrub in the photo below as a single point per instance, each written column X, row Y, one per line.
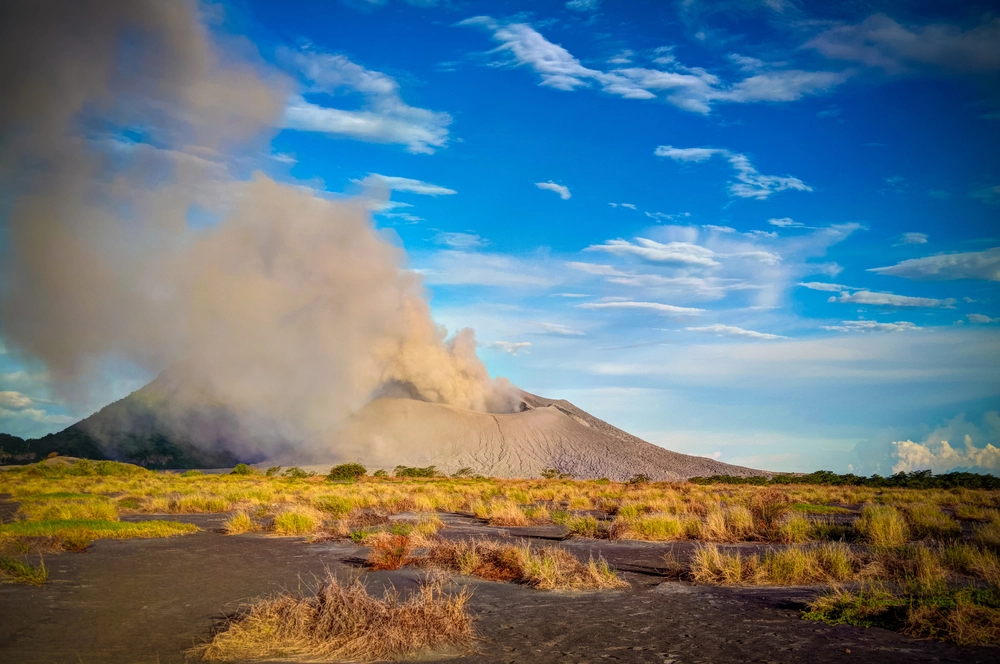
column 639, row 478
column 380, row 473
column 192, row 473
column 343, row 622
column 555, row 474
column 409, row 471
column 272, row 471
column 295, row 473
column 882, row 525
column 347, row 471
column 767, row 507
column 585, row 526
column 465, row 471
column 241, row 469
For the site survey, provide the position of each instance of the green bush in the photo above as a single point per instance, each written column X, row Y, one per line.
column 242, row 469
column 408, row 471
column 380, row 473
column 347, row 471
column 191, row 473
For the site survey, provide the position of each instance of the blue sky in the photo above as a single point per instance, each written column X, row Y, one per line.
column 761, row 231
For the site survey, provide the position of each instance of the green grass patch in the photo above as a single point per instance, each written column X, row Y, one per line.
column 807, row 508
column 80, row 529
column 966, row 616
column 14, row 570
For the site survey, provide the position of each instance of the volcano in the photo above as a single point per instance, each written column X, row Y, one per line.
column 158, row 427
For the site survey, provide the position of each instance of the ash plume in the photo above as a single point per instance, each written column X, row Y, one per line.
column 125, row 123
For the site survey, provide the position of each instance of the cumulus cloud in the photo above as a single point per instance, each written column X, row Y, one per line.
column 952, row 446
column 733, row 331
column 511, row 347
column 409, row 185
column 912, row 238
column 385, row 117
column 981, row 318
column 871, row 326
column 14, row 400
column 563, row 191
column 689, row 88
column 651, row 250
column 652, row 306
column 750, row 183
column 947, row 267
column 879, row 41
column 891, row 300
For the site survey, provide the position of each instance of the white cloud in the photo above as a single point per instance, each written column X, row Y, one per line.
column 689, row 88
column 652, row 306
column 718, row 229
column 891, row 300
column 912, row 238
column 938, row 454
column 871, row 326
column 408, row 185
column 981, row 318
column 671, row 252
column 15, row 400
column 557, row 188
column 630, row 206
column 474, row 268
column 988, row 194
column 823, row 286
column 879, row 41
column 285, row 158
column 733, row 331
column 750, row 182
column 460, row 241
column 385, row 118
column 688, row 154
column 512, row 347
column 583, row 5
column 946, row 267
column 557, row 329
column 785, row 222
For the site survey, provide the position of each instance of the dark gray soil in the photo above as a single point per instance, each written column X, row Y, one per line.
column 139, row 601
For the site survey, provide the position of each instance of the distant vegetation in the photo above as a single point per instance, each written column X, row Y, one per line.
column 410, row 471
column 917, row 479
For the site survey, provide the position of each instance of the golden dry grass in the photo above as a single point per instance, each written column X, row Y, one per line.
column 342, row 621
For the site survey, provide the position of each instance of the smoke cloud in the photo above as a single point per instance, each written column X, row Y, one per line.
column 134, row 231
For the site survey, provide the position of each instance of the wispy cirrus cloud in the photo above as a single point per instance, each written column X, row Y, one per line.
column 657, row 252
column 983, row 265
column 689, row 88
column 879, row 41
column 559, row 189
column 657, row 307
column 871, row 326
column 408, row 185
column 892, row 300
column 384, row 116
column 732, row 331
column 750, row 183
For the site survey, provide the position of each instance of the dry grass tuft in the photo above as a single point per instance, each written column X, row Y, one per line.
column 240, row 523
column 826, row 563
column 882, row 525
column 550, row 568
column 388, row 551
column 342, row 621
